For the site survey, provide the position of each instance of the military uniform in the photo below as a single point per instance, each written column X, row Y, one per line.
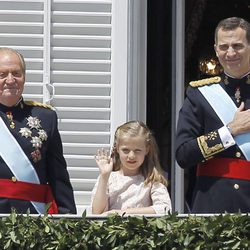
column 199, row 143
column 34, row 126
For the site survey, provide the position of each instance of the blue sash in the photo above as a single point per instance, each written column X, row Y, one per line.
column 17, row 161
column 225, row 108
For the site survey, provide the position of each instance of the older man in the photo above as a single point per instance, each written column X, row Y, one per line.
column 33, row 174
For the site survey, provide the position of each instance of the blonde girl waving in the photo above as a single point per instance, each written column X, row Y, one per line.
column 130, row 180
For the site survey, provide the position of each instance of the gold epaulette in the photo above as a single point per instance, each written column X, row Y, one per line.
column 33, row 103
column 205, row 81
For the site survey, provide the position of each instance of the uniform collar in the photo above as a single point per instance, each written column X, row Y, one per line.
column 229, row 80
column 237, row 77
column 18, row 105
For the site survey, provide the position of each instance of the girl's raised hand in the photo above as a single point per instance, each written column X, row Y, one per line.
column 104, row 161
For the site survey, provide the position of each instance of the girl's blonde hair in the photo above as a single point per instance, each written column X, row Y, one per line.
column 151, row 168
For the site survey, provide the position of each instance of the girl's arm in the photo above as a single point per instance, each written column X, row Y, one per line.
column 100, row 199
column 105, row 165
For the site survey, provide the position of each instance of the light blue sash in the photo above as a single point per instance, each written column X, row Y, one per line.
column 225, row 108
column 18, row 162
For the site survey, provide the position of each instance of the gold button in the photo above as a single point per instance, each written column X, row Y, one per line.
column 236, row 186
column 238, row 154
column 13, row 179
column 12, row 125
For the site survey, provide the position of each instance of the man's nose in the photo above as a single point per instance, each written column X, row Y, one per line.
column 231, row 51
column 10, row 78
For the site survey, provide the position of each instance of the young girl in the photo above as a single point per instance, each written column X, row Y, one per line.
column 130, row 181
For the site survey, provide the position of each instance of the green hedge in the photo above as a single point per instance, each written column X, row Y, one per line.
column 132, row 232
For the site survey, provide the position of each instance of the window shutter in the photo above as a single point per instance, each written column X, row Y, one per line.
column 81, row 76
column 21, row 28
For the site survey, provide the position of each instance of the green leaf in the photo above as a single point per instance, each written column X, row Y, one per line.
column 236, row 246
column 47, row 229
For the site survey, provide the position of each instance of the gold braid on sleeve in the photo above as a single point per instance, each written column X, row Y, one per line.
column 209, row 145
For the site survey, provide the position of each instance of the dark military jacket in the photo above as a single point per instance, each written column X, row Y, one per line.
column 34, row 126
column 198, row 140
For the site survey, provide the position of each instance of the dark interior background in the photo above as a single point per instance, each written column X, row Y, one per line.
column 159, row 75
column 201, row 18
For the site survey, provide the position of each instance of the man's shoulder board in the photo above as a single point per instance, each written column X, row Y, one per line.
column 39, row 104
column 205, row 81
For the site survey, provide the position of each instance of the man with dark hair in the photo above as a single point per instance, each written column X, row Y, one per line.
column 213, row 130
column 33, row 173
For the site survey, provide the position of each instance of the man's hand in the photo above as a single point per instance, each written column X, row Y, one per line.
column 241, row 121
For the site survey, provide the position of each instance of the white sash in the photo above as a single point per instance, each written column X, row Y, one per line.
column 18, row 162
column 225, row 108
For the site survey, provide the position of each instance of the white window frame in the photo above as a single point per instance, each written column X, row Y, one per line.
column 129, row 62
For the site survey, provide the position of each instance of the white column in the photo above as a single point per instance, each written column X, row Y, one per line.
column 46, row 51
column 137, row 60
column 119, row 67
column 178, row 78
column 128, row 62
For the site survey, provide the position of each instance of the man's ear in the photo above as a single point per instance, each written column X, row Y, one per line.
column 215, row 49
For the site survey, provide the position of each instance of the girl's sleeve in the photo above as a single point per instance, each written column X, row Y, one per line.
column 161, row 202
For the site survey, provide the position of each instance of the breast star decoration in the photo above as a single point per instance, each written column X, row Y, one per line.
column 42, row 135
column 36, row 142
column 33, row 122
column 37, row 135
column 26, row 132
